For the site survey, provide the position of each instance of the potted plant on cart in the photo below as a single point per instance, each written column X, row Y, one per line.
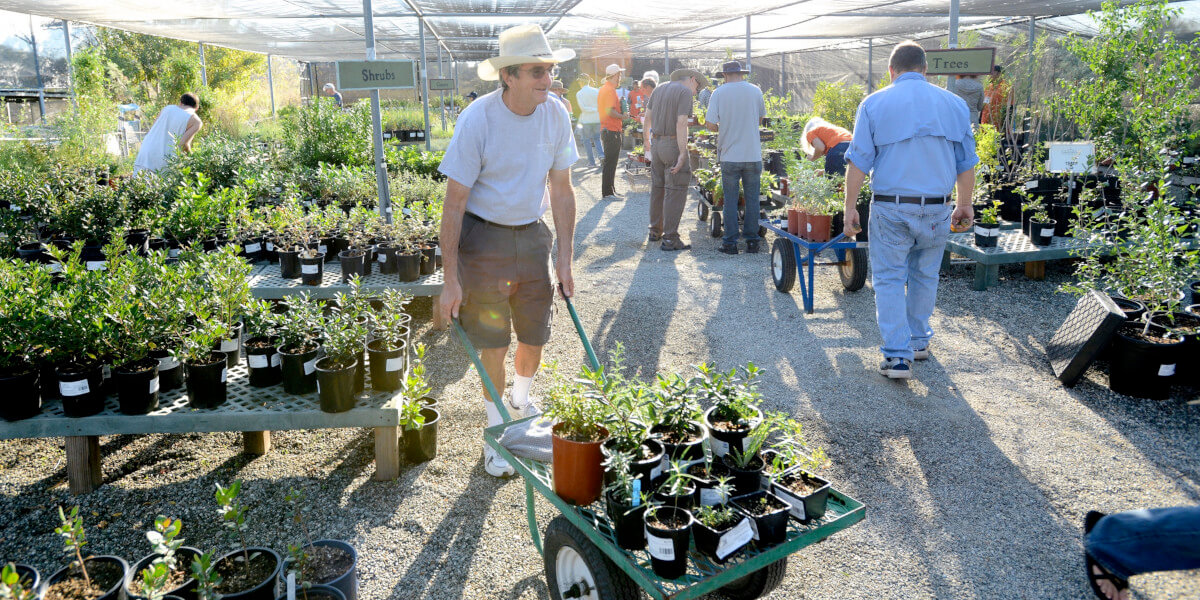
column 319, row 563
column 987, row 226
column 793, row 473
column 93, row 577
column 744, row 461
column 678, row 488
column 734, row 412
column 418, row 420
column 247, row 573
column 161, row 573
column 625, row 501
column 770, row 515
column 668, row 535
column 721, row 530
column 675, row 416
column 578, row 473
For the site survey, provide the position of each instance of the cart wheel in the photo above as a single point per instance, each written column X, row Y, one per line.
column 757, row 584
column 575, row 568
column 715, row 225
column 702, row 210
column 783, row 265
column 854, row 270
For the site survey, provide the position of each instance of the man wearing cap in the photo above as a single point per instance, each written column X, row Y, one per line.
column 665, row 134
column 611, row 123
column 915, row 140
column 734, row 111
column 558, row 89
column 495, row 246
column 330, row 90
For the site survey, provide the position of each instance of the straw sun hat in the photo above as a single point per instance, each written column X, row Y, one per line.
column 519, row 45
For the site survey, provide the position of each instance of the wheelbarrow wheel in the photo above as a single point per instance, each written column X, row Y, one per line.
column 575, row 567
column 715, row 229
column 757, row 584
column 701, row 210
column 783, row 265
column 853, row 270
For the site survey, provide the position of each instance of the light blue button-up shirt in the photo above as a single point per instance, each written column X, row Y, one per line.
column 913, row 138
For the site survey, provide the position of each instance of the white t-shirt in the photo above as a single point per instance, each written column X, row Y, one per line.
column 588, row 98
column 505, row 157
column 159, row 144
column 738, row 108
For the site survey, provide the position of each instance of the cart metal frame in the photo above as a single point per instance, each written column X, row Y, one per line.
column 787, row 261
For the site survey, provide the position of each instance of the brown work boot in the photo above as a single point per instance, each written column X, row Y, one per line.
column 672, row 245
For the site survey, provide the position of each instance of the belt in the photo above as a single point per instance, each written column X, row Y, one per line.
column 656, row 136
column 912, row 199
column 511, row 227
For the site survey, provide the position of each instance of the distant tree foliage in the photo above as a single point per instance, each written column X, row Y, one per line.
column 838, row 102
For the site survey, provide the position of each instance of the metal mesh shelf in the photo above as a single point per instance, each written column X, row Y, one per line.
column 266, row 282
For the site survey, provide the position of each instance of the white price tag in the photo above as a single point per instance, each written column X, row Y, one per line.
column 54, row 267
column 719, row 447
column 1187, row 160
column 229, row 345
column 310, row 366
column 1047, row 232
column 258, row 361
column 275, row 359
column 153, row 385
column 382, row 257
column 96, row 265
column 322, row 248
column 808, row 226
column 309, row 269
column 437, row 251
column 660, row 548
column 253, row 248
column 986, row 232
column 754, row 526
column 106, row 372
column 710, row 497
column 167, row 363
column 1166, row 370
column 735, row 538
column 14, row 208
column 794, row 501
column 657, row 470
column 1031, row 185
column 70, row 389
column 270, row 246
column 394, row 364
column 224, row 374
column 173, row 253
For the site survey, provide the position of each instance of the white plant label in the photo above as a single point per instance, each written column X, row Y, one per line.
column 656, row 471
column 105, row 372
column 14, row 208
column 229, row 345
column 382, row 257
column 96, row 265
column 270, row 246
column 710, row 497
column 808, row 226
column 322, row 248
column 167, row 363
column 258, row 361
column 224, row 374
column 986, row 232
column 795, row 502
column 754, row 526
column 1187, row 160
column 1166, row 370
column 310, row 366
column 660, row 548
column 308, row 269
column 153, row 385
column 394, row 364
column 1047, row 232
column 70, row 389
column 736, row 538
column 253, row 248
column 275, row 360
column 719, row 447
column 54, row 267
column 437, row 251
column 1030, row 185
column 173, row 253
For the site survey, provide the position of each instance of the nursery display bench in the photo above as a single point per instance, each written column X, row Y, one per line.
column 1012, row 247
column 253, row 411
column 788, row 260
column 266, row 282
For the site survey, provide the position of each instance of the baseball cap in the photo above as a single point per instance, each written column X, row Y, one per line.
column 613, row 68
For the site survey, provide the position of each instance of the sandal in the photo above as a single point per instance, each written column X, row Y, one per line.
column 1094, row 579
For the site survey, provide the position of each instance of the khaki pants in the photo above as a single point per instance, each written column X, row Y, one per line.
column 668, row 192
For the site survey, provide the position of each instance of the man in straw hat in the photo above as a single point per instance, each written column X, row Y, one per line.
column 665, row 134
column 734, row 111
column 495, row 246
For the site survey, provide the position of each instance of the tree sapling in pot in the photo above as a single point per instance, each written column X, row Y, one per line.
column 987, row 226
column 577, row 461
column 389, row 349
column 418, row 421
column 735, row 411
column 248, row 572
column 676, row 415
column 206, row 368
column 161, row 573
column 93, row 577
column 298, row 343
column 336, row 372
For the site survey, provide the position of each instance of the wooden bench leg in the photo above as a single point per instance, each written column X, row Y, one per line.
column 387, row 453
column 84, row 473
column 257, row 443
column 1036, row 270
column 439, row 320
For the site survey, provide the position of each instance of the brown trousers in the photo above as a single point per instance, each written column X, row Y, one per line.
column 668, row 192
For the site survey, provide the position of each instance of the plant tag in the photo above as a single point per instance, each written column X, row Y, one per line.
column 153, row 385
column 719, row 447
column 310, row 366
column 224, row 374
column 1031, row 185
column 660, row 548
column 275, row 359
column 793, row 501
column 106, row 372
column 808, row 226
column 1166, row 370
column 382, row 257
column 657, row 470
column 322, row 248
column 636, row 498
column 14, row 208
column 986, row 232
column 1047, row 232
column 70, row 389
column 308, row 269
column 229, row 345
column 754, row 526
column 270, row 246
column 54, row 267
column 745, row 443
column 258, row 361
column 173, row 253
column 167, row 363
column 255, row 247
column 437, row 251
column 96, row 265
column 735, row 538
column 318, row 386
column 291, row 585
column 709, row 497
column 1071, row 184
column 1187, row 160
column 394, row 364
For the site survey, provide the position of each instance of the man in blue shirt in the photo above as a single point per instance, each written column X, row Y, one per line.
column 915, row 140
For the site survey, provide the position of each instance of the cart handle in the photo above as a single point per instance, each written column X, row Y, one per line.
column 483, row 374
column 587, row 345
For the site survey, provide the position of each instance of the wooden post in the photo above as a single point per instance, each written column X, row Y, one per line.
column 387, row 453
column 257, row 443
column 1036, row 270
column 83, row 463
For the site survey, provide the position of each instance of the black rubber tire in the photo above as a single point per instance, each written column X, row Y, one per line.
column 715, row 229
column 701, row 210
column 854, row 270
column 785, row 276
column 611, row 582
column 757, row 584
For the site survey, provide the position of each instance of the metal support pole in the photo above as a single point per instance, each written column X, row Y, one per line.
column 870, row 65
column 748, row 43
column 666, row 59
column 37, row 69
column 381, row 177
column 1032, row 43
column 953, row 41
column 783, row 91
column 441, row 95
column 203, row 66
column 456, row 94
column 424, row 72
column 271, row 84
column 70, row 63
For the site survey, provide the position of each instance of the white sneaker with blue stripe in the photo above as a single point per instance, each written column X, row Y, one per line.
column 895, row 368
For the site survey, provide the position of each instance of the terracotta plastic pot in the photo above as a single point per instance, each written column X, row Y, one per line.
column 578, row 472
column 817, row 228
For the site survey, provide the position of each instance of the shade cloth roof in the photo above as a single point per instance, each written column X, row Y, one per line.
column 328, row 30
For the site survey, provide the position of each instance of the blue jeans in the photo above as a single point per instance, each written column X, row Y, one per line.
column 590, row 134
column 749, row 174
column 1142, row 541
column 907, row 241
column 835, row 159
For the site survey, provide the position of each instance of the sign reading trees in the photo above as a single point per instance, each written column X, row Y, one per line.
column 376, row 75
column 960, row 61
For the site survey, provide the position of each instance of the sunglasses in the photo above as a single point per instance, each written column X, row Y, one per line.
column 540, row 72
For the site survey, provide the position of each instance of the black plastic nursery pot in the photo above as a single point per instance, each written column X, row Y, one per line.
column 24, row 394
column 420, row 445
column 806, row 494
column 263, row 359
column 299, row 370
column 721, row 544
column 1186, row 325
column 138, row 386
column 385, row 256
column 986, row 235
column 745, row 480
column 353, row 263
column 138, row 240
column 252, row 249
column 1041, row 233
column 312, row 269
column 1141, row 367
column 408, row 266
column 647, row 465
column 186, row 590
column 289, row 264
column 360, row 371
column 690, row 449
column 428, row 260
column 725, row 435
column 107, row 572
column 1194, row 288
column 206, row 382
column 32, row 252
column 685, row 500
column 1063, row 215
column 232, row 347
column 170, row 372
column 387, row 365
column 368, row 260
column 668, row 534
column 81, row 387
column 29, row 577
column 627, row 523
column 313, row 592
column 262, row 561
column 338, row 553
column 335, row 384
column 770, row 524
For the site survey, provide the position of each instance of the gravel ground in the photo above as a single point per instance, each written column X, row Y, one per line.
column 976, row 474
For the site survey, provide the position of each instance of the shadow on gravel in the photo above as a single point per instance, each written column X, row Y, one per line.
column 642, row 319
column 535, row 584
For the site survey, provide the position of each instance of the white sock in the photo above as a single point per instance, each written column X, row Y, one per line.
column 520, row 390
column 493, row 414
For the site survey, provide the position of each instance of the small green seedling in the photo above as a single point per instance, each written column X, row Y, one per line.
column 74, row 539
column 233, row 514
column 11, row 587
column 206, row 576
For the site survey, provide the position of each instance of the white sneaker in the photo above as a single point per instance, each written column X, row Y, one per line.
column 495, row 465
column 921, row 354
column 530, row 409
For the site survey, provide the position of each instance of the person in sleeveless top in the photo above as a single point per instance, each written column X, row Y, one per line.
column 174, row 129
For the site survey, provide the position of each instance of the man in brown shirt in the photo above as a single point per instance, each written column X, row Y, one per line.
column 665, row 139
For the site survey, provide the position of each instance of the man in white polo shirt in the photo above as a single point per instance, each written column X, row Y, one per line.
column 495, row 247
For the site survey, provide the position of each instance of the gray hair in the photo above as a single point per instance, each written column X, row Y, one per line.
column 511, row 71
